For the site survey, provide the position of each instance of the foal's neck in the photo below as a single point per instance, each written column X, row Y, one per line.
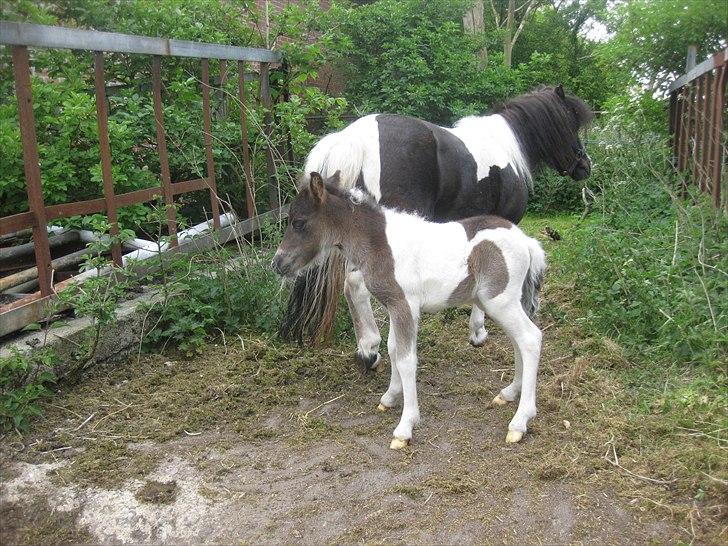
column 359, row 230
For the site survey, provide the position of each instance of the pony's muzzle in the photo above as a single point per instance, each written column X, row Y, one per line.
column 279, row 265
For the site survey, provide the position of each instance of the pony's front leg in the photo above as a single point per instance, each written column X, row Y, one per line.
column 402, row 346
column 365, row 327
column 478, row 333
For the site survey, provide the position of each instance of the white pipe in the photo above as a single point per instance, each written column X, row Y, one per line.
column 149, row 248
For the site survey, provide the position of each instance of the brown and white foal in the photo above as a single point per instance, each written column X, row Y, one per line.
column 412, row 265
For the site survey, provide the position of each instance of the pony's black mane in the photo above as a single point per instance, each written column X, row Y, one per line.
column 545, row 124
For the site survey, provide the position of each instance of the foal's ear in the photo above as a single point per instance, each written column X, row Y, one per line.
column 560, row 91
column 318, row 190
column 335, row 179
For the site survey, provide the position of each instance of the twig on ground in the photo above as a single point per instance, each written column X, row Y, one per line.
column 610, row 446
column 304, row 417
column 79, row 427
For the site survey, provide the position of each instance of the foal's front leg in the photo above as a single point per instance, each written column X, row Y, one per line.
column 365, row 326
column 402, row 346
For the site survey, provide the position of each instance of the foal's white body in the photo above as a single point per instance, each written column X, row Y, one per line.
column 430, row 261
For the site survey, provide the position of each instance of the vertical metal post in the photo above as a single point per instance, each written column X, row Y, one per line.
column 249, row 187
column 699, row 145
column 207, row 122
column 718, row 109
column 707, row 132
column 31, row 161
column 102, row 118
column 162, row 147
column 681, row 129
column 265, row 97
column 673, row 126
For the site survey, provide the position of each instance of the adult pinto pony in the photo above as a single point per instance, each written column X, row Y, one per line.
column 441, row 174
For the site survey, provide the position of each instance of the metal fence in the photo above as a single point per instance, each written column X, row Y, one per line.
column 697, row 110
column 19, row 37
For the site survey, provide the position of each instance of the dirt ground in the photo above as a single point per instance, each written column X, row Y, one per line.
column 255, row 441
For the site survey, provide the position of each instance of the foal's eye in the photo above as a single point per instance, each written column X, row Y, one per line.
column 298, row 225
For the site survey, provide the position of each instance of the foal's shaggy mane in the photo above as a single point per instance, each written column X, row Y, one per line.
column 355, row 196
column 545, row 124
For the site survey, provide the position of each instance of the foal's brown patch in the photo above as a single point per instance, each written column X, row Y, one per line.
column 486, row 268
column 478, row 223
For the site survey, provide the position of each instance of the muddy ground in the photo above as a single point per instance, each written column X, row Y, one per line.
column 255, row 441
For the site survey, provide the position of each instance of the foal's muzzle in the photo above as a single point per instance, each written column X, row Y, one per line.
column 280, row 265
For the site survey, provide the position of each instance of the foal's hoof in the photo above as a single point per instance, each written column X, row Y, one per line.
column 398, row 443
column 368, row 363
column 514, row 436
column 478, row 340
column 499, row 401
column 381, row 407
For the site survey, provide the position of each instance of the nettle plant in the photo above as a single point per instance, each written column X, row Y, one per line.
column 24, row 380
column 99, row 295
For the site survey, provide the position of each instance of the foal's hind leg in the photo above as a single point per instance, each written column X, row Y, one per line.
column 365, row 327
column 526, row 339
column 478, row 334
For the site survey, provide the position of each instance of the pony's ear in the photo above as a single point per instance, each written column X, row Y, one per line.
column 318, row 190
column 335, row 179
column 560, row 91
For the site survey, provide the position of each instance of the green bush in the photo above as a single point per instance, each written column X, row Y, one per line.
column 24, row 381
column 649, row 268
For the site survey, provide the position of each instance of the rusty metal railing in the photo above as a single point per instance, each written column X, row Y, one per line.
column 19, row 37
column 697, row 110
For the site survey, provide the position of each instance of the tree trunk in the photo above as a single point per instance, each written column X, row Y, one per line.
column 507, row 36
column 474, row 23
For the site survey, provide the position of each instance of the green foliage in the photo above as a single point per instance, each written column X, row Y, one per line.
column 652, row 36
column 211, row 294
column 412, row 57
column 64, row 104
column 649, row 268
column 24, row 381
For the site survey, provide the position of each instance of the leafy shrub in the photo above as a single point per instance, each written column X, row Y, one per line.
column 219, row 291
column 650, row 268
column 23, row 381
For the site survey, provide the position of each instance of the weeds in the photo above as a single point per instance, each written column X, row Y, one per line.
column 24, row 381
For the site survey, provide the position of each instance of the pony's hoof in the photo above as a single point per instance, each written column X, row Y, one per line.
column 398, row 443
column 478, row 340
column 381, row 407
column 368, row 363
column 499, row 401
column 514, row 436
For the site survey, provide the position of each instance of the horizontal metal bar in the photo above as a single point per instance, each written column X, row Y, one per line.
column 93, row 40
column 138, row 196
column 32, row 308
column 190, row 185
column 713, row 62
column 16, row 222
column 64, row 210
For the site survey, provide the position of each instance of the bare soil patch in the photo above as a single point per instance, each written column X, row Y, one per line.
column 255, row 441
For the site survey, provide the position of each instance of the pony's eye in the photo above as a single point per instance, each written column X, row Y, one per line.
column 298, row 225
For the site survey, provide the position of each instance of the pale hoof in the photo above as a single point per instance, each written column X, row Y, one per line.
column 382, row 407
column 499, row 401
column 478, row 340
column 514, row 436
column 398, row 443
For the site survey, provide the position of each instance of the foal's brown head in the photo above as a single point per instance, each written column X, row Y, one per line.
column 309, row 235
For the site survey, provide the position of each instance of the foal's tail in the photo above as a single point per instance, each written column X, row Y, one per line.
column 315, row 296
column 534, row 278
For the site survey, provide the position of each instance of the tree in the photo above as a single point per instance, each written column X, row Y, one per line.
column 510, row 21
column 651, row 37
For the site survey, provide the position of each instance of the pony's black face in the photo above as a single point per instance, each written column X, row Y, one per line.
column 575, row 160
column 307, row 237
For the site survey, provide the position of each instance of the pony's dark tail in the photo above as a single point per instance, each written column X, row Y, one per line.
column 534, row 278
column 313, row 302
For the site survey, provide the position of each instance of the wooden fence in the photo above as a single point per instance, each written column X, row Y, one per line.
column 697, row 110
column 19, row 37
